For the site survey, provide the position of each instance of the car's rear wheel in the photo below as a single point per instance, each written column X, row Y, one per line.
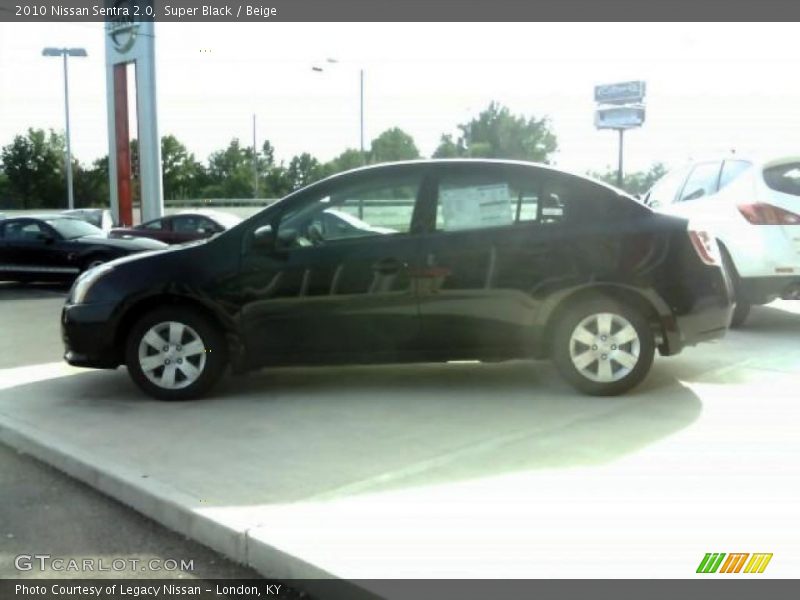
column 603, row 347
column 175, row 353
column 742, row 309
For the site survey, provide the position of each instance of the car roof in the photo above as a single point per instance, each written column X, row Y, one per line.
column 478, row 161
column 44, row 217
column 764, row 160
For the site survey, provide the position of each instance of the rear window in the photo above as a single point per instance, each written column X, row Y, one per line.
column 784, row 178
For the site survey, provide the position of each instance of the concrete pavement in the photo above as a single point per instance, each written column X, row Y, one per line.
column 441, row 470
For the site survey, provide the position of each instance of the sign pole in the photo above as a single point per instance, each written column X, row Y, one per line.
column 619, row 166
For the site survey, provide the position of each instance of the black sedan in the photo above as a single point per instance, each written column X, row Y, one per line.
column 58, row 248
column 486, row 260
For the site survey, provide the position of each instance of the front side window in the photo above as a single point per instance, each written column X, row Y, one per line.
column 666, row 189
column 731, row 169
column 702, row 182
column 372, row 208
column 186, row 224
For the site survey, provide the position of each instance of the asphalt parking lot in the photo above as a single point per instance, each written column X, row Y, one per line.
column 458, row 470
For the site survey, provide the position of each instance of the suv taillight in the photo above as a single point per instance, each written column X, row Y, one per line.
column 706, row 247
column 760, row 213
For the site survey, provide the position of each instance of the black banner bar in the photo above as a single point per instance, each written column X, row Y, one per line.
column 399, row 10
column 711, row 586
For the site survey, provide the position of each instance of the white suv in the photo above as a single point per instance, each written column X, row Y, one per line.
column 753, row 207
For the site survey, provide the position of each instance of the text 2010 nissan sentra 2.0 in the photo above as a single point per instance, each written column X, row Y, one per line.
column 486, row 260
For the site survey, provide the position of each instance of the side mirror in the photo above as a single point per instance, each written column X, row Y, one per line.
column 264, row 238
column 45, row 237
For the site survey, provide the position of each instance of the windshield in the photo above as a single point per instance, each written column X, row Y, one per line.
column 73, row 228
column 227, row 220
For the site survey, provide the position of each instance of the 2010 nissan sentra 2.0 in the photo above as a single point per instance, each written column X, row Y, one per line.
column 456, row 260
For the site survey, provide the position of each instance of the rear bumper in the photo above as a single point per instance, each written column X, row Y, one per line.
column 89, row 336
column 706, row 317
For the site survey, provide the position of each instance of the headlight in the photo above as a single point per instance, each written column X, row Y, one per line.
column 85, row 282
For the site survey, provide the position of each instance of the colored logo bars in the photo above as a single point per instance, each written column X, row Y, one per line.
column 734, row 562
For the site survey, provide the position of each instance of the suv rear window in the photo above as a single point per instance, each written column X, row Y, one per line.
column 784, row 178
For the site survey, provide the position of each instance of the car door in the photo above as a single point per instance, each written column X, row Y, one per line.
column 186, row 228
column 493, row 241
column 696, row 199
column 306, row 296
column 33, row 247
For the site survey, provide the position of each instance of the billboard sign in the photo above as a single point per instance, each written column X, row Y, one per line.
column 619, row 93
column 619, row 117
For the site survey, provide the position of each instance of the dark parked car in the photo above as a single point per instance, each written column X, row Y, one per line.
column 184, row 227
column 58, row 248
column 487, row 260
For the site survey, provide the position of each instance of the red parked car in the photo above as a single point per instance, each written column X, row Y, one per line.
column 183, row 227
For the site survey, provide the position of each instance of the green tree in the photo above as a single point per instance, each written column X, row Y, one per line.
column 391, row 145
column 347, row 160
column 5, row 190
column 181, row 172
column 302, row 170
column 91, row 184
column 230, row 173
column 636, row 183
column 34, row 167
column 497, row 133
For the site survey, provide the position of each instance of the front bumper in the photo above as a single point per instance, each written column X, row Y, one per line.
column 88, row 334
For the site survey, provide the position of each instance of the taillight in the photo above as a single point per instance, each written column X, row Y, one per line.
column 759, row 213
column 706, row 246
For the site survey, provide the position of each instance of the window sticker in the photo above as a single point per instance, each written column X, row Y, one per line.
column 474, row 207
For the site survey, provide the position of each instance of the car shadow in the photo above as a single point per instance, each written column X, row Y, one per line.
column 294, row 434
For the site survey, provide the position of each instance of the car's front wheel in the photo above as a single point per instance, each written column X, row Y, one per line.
column 175, row 353
column 603, row 347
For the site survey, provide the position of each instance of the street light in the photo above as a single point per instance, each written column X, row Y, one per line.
column 66, row 52
column 334, row 61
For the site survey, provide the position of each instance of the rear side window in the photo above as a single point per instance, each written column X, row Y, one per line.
column 731, row 169
column 479, row 200
column 784, row 178
column 470, row 200
column 702, row 181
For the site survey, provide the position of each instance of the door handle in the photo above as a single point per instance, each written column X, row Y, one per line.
column 387, row 266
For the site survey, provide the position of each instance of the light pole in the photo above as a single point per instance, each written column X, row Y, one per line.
column 67, row 52
column 333, row 61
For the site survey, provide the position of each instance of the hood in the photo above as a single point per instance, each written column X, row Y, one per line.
column 133, row 244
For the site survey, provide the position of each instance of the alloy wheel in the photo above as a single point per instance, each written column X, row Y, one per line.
column 604, row 347
column 172, row 355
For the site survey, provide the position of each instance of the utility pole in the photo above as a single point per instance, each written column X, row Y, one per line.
column 255, row 160
column 361, row 116
column 619, row 164
column 66, row 53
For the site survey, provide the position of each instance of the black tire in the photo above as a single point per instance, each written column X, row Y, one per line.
column 211, row 361
column 742, row 309
column 624, row 377
column 93, row 261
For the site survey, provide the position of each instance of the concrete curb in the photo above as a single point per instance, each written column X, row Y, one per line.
column 162, row 503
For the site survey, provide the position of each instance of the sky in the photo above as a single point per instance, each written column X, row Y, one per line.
column 711, row 88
